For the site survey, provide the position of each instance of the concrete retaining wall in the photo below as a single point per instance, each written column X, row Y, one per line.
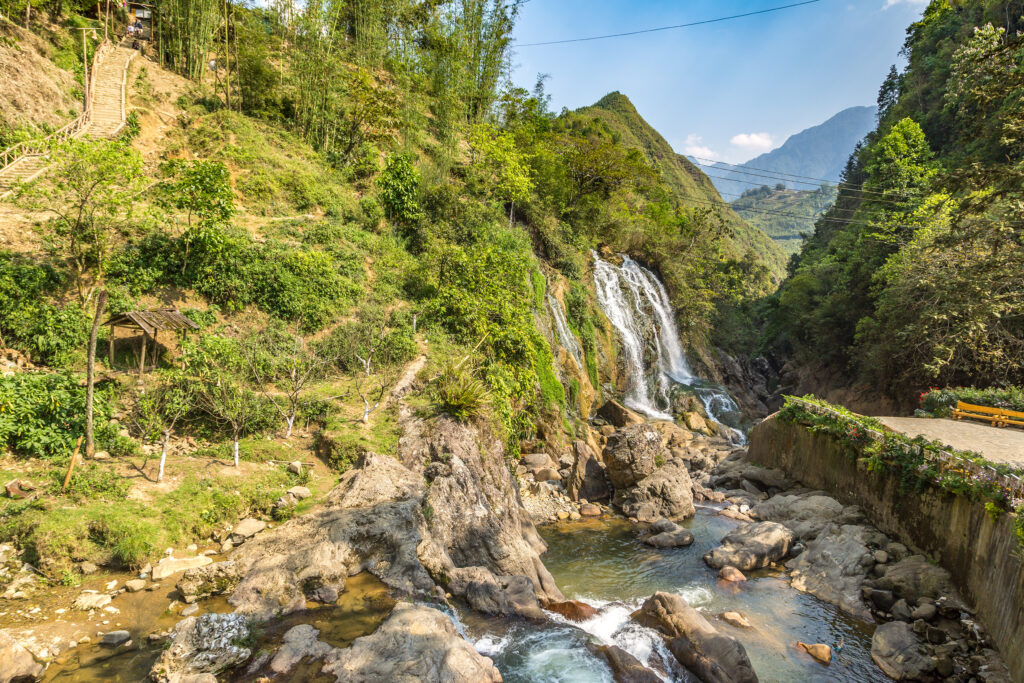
column 982, row 555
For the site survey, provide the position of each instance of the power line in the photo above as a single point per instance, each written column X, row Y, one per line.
column 668, row 28
column 875, row 200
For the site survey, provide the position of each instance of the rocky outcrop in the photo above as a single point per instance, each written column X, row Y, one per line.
column 895, row 648
column 587, row 479
column 665, row 533
column 617, row 415
column 298, row 643
column 205, row 644
column 573, row 610
column 666, row 493
column 465, row 532
column 751, row 546
column 712, row 656
column 630, row 455
column 17, row 665
column 625, row 667
column 833, row 566
column 806, row 515
column 914, row 577
column 415, row 643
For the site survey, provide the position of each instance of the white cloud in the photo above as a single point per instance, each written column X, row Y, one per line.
column 695, row 147
column 753, row 142
column 892, row 3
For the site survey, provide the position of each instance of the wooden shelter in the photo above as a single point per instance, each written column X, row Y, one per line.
column 150, row 323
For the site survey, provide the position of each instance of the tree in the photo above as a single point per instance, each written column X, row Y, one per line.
column 159, row 409
column 91, row 189
column 283, row 360
column 235, row 407
column 203, row 190
column 503, row 168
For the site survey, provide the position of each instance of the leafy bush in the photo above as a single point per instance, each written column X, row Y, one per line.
column 459, row 394
column 399, row 185
column 941, row 402
column 90, row 481
column 41, row 415
column 386, row 339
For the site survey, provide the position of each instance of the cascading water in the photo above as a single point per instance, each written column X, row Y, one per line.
column 636, row 303
column 565, row 336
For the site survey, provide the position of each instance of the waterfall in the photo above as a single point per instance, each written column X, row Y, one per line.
column 565, row 336
column 637, row 304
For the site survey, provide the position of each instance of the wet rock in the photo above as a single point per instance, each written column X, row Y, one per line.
column 665, row 493
column 590, row 510
column 492, row 594
column 189, row 610
column 901, row 610
column 895, row 648
column 883, row 600
column 925, row 610
column 88, row 568
column 213, row 579
column 115, row 638
column 246, row 529
column 665, row 533
column 414, row 643
column 587, row 478
column 625, row 667
column 573, row 610
column 618, row 415
column 751, row 546
column 205, row 644
column 935, row 635
column 172, row 565
column 831, row 568
column 819, row 651
column 699, row 646
column 735, row 619
column 806, row 515
column 731, row 574
column 298, row 642
column 630, row 455
column 16, row 662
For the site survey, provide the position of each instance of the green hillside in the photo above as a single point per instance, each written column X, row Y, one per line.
column 686, row 180
column 786, row 216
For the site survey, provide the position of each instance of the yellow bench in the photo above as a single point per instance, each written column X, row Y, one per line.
column 998, row 417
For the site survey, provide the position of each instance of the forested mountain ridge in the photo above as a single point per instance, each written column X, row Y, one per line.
column 817, row 154
column 785, row 215
column 915, row 278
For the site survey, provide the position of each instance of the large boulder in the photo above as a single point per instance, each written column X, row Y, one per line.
column 832, row 568
column 415, row 643
column 914, row 577
column 668, row 493
column 212, row 579
column 298, row 643
column 806, row 515
column 751, row 546
column 630, row 455
column 204, row 644
column 712, row 656
column 625, row 667
column 17, row 664
column 587, row 479
column 896, row 649
column 614, row 413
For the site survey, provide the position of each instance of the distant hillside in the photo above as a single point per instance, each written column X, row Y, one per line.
column 818, row 152
column 786, row 216
column 689, row 182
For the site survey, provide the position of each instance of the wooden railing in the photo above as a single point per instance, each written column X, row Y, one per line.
column 1012, row 483
column 38, row 147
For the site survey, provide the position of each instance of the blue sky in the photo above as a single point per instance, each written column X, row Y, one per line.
column 730, row 90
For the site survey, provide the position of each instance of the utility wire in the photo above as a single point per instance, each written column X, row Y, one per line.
column 668, row 28
column 875, row 200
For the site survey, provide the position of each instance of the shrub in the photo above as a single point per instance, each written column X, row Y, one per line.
column 41, row 415
column 399, row 185
column 459, row 394
column 941, row 402
column 386, row 339
column 89, row 481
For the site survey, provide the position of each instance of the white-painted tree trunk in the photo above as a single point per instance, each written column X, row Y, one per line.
column 291, row 421
column 234, row 450
column 163, row 455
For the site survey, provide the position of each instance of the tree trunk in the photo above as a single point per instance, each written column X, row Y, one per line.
column 163, row 454
column 234, row 450
column 290, row 420
column 90, row 375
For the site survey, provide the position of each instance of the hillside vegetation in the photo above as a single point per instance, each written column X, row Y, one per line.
column 915, row 278
column 786, row 216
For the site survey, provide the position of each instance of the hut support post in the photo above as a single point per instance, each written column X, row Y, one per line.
column 142, row 354
column 110, row 349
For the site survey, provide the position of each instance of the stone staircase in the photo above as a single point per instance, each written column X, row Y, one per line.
column 105, row 118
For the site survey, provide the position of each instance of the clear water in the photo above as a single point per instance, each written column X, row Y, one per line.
column 565, row 336
column 602, row 563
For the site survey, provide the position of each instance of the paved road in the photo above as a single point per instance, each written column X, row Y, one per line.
column 998, row 445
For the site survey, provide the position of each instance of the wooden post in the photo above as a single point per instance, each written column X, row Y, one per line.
column 71, row 465
column 110, row 348
column 156, row 347
column 142, row 354
column 85, row 70
column 90, row 374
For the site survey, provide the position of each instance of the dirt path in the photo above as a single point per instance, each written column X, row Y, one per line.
column 998, row 445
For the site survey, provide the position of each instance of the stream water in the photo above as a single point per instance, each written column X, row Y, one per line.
column 603, row 564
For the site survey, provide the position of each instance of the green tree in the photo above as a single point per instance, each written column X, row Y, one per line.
column 399, row 184
column 282, row 366
column 202, row 189
column 503, row 168
column 159, row 409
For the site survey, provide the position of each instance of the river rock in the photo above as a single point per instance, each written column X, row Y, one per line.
column 573, row 610
column 88, row 568
column 712, row 656
column 896, row 649
column 731, row 574
column 670, row 539
column 587, row 478
column 590, row 510
column 300, row 492
column 819, row 651
column 115, row 638
column 415, row 643
column 751, row 546
column 135, row 585
column 735, row 619
column 491, row 594
column 830, row 568
column 630, row 455
column 91, row 600
column 925, row 610
column 204, row 644
column 547, row 474
column 901, row 610
column 298, row 642
column 246, row 529
column 172, row 565
column 668, row 493
column 213, row 579
column 806, row 515
column 618, row 415
column 17, row 663
column 625, row 667
column 914, row 577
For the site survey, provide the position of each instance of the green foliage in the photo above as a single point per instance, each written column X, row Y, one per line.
column 131, row 127
column 786, row 216
column 89, row 481
column 386, row 340
column 940, row 402
column 460, row 394
column 41, row 414
column 399, row 185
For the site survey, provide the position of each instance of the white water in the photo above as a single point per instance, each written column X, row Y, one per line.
column 636, row 303
column 565, row 336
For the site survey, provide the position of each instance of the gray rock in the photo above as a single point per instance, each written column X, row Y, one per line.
column 901, row 610
column 807, row 514
column 212, row 579
column 587, row 479
column 298, row 642
column 751, row 546
column 204, row 644
column 895, row 648
column 630, row 453
column 698, row 645
column 172, row 565
column 16, row 662
column 300, row 492
column 91, row 600
column 246, row 529
column 915, row 577
column 536, row 460
column 115, row 637
column 618, row 415
column 88, row 568
column 415, row 643
column 189, row 610
column 547, row 474
column 135, row 585
column 668, row 493
column 670, row 539
column 625, row 667
column 830, row 568
column 926, row 611
column 883, row 600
